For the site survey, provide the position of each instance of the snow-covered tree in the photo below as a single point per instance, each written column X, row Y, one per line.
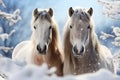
column 111, row 8
column 116, row 36
column 7, row 20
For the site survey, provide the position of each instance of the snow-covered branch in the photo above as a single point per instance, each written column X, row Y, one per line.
column 116, row 36
column 2, row 3
column 12, row 18
column 6, row 49
column 105, row 35
column 12, row 32
column 116, row 30
column 1, row 29
column 1, row 78
column 116, row 43
column 111, row 8
column 6, row 36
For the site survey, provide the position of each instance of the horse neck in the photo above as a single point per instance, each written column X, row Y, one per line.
column 52, row 53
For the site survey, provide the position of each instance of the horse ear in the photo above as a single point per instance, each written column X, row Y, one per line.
column 35, row 13
column 90, row 11
column 71, row 11
column 50, row 11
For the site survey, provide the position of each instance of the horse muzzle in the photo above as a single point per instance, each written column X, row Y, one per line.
column 77, row 52
column 42, row 50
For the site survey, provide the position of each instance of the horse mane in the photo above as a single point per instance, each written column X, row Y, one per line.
column 55, row 39
column 94, row 38
column 66, row 43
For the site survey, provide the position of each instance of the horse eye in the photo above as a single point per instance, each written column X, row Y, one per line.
column 81, row 12
column 50, row 27
column 34, row 27
column 70, row 26
column 88, row 27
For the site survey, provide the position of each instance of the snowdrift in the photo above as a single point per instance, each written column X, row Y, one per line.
column 10, row 70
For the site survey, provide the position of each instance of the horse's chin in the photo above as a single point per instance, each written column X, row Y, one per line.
column 79, row 55
column 44, row 53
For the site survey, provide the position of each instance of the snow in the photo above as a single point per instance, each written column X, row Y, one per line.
column 115, row 43
column 105, row 36
column 1, row 29
column 12, row 32
column 116, row 30
column 32, row 72
column 111, row 8
column 2, row 3
column 6, row 49
column 1, row 78
column 100, row 75
column 116, row 36
column 12, row 18
column 6, row 36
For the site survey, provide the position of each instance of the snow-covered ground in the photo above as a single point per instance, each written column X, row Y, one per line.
column 19, row 71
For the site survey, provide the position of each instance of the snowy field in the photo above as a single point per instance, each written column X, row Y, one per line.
column 20, row 71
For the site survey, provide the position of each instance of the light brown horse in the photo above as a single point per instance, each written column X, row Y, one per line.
column 44, row 44
column 82, row 50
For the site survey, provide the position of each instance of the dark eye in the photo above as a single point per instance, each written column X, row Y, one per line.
column 70, row 26
column 34, row 27
column 88, row 27
column 81, row 12
column 50, row 27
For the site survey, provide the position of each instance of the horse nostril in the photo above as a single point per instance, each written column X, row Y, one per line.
column 82, row 50
column 38, row 48
column 75, row 49
column 45, row 47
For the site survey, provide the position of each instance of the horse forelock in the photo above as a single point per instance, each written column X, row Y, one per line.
column 43, row 15
column 81, row 14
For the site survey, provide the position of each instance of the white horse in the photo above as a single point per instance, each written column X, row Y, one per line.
column 82, row 50
column 44, row 44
